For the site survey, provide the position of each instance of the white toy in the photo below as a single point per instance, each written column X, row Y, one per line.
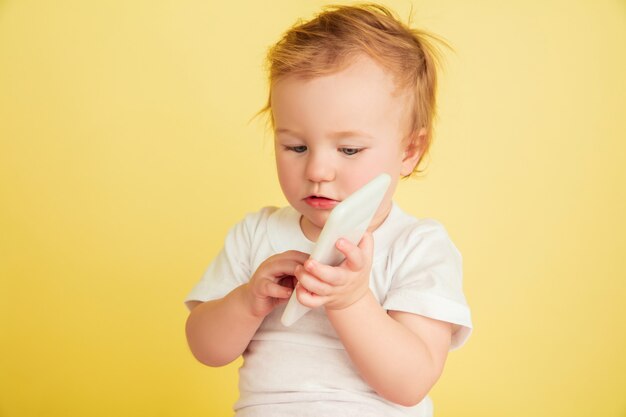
column 349, row 220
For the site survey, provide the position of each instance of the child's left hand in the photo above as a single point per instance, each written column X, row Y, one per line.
column 337, row 287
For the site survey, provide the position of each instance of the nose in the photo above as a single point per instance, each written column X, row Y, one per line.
column 319, row 167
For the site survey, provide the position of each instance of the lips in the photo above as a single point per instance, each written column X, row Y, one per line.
column 319, row 202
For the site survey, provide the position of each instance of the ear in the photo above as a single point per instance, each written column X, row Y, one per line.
column 413, row 151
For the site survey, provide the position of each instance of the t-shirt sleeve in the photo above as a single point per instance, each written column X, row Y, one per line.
column 230, row 269
column 427, row 279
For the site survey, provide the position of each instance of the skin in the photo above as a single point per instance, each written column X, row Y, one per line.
column 333, row 134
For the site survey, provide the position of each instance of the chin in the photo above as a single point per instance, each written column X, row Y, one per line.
column 316, row 218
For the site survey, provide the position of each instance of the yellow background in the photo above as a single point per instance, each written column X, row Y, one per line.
column 126, row 154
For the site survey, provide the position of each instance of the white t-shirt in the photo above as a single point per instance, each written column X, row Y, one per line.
column 304, row 370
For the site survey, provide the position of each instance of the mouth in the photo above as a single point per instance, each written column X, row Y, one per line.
column 320, row 202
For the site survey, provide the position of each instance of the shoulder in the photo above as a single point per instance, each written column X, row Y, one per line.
column 424, row 255
column 407, row 234
column 427, row 232
column 255, row 219
column 252, row 224
column 277, row 228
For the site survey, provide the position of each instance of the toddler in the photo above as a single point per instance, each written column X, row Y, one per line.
column 352, row 95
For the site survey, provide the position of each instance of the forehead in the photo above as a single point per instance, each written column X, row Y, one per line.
column 362, row 95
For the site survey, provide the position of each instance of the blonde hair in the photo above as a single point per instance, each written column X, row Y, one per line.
column 329, row 42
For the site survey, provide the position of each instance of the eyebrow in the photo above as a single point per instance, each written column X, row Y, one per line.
column 340, row 134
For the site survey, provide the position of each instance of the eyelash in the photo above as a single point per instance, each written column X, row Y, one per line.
column 296, row 149
column 354, row 150
column 345, row 151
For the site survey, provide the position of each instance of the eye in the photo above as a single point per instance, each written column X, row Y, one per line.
column 350, row 151
column 296, row 149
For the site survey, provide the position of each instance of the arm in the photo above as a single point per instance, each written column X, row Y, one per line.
column 219, row 331
column 400, row 355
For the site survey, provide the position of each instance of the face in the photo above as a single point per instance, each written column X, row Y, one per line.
column 335, row 133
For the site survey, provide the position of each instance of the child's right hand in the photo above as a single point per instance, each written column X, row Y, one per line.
column 273, row 281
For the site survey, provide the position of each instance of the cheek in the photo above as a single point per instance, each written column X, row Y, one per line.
column 388, row 161
column 282, row 165
column 287, row 173
column 355, row 176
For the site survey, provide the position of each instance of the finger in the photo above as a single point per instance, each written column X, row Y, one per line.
column 274, row 290
column 325, row 273
column 355, row 258
column 312, row 283
column 281, row 267
column 309, row 299
column 295, row 255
